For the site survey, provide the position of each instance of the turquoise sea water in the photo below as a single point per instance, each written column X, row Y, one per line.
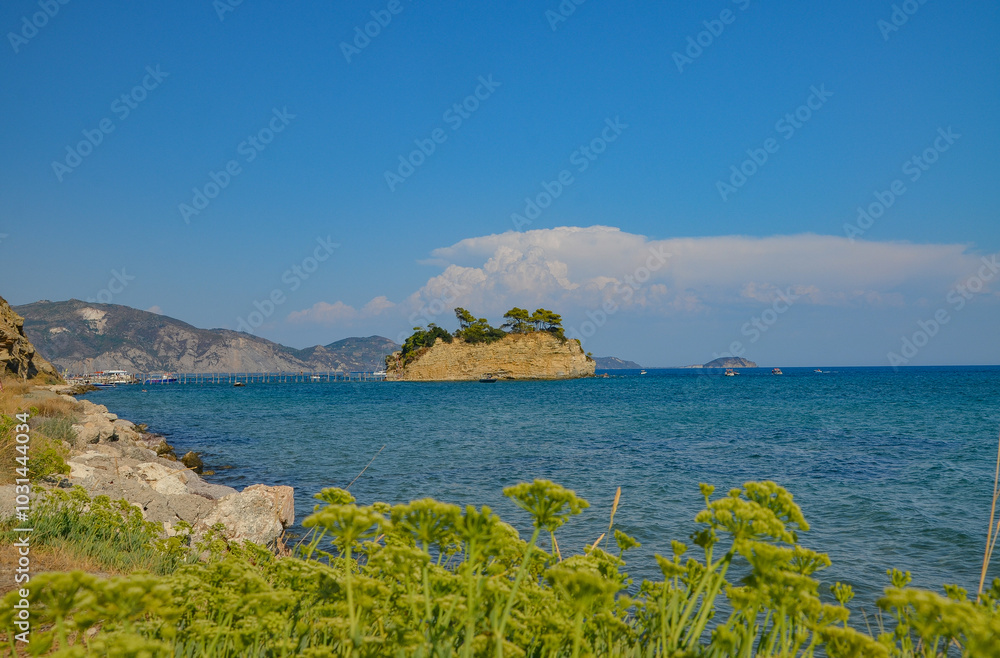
column 892, row 469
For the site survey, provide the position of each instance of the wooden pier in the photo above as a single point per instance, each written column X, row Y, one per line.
column 266, row 377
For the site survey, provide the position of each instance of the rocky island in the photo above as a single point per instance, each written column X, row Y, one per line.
column 527, row 346
column 730, row 362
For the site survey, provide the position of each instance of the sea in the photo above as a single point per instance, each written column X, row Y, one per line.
column 892, row 468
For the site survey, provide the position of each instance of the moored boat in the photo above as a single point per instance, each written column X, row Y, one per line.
column 166, row 378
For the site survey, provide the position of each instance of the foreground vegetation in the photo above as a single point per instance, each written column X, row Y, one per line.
column 51, row 422
column 431, row 579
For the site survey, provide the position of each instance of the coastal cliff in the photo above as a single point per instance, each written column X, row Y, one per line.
column 17, row 355
column 537, row 355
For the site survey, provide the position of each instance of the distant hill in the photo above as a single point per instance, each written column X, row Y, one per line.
column 81, row 337
column 614, row 363
column 730, row 362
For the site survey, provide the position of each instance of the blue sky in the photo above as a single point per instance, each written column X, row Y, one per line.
column 444, row 234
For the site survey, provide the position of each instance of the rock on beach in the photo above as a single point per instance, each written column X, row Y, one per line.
column 109, row 456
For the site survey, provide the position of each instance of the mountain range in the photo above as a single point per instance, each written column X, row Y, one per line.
column 80, row 337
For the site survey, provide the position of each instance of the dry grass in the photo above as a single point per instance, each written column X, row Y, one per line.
column 992, row 532
column 11, row 395
column 16, row 397
column 55, row 406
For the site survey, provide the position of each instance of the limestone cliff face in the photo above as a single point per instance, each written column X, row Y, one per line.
column 17, row 354
column 537, row 355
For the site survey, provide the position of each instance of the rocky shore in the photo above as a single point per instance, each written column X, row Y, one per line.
column 114, row 457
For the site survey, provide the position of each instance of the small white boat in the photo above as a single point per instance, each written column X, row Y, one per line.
column 161, row 379
column 776, row 371
column 731, row 373
column 642, row 372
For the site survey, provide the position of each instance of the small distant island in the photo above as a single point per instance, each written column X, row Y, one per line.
column 727, row 362
column 614, row 363
column 526, row 346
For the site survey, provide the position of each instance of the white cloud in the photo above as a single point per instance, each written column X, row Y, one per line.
column 324, row 313
column 568, row 267
column 155, row 309
column 576, row 269
column 377, row 306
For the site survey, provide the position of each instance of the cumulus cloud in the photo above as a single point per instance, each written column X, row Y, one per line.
column 327, row 314
column 573, row 269
column 324, row 313
column 570, row 266
column 377, row 306
column 155, row 309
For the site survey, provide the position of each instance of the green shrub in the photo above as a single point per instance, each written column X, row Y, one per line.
column 431, row 579
column 58, row 428
column 421, row 339
column 113, row 533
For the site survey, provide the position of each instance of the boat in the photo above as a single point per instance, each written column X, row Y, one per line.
column 776, row 371
column 642, row 372
column 119, row 377
column 731, row 373
column 238, row 384
column 314, row 378
column 379, row 373
column 488, row 378
column 817, row 370
column 101, row 385
column 161, row 379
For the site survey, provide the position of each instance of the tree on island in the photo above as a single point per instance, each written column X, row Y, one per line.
column 476, row 331
column 465, row 319
column 423, row 338
column 518, row 321
column 545, row 320
column 479, row 330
